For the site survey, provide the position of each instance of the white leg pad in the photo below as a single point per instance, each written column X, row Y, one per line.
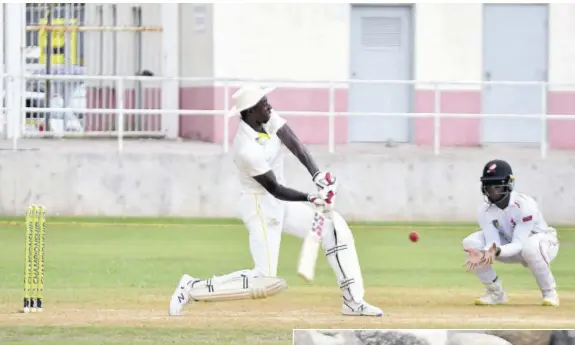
column 239, row 288
column 339, row 246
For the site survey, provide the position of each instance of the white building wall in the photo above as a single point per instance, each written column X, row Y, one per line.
column 196, row 41
column 561, row 45
column 306, row 42
column 448, row 42
column 281, row 41
column 311, row 42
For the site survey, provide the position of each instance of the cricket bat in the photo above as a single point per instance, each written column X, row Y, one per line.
column 312, row 243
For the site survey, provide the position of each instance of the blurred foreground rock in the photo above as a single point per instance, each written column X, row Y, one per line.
column 454, row 337
column 389, row 338
column 563, row 337
column 476, row 339
column 523, row 337
column 361, row 337
column 314, row 337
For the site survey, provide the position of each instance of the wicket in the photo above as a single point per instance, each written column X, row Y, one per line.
column 34, row 255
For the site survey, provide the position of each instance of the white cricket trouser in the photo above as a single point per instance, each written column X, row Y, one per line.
column 266, row 218
column 538, row 252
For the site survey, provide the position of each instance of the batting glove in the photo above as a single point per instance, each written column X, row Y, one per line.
column 325, row 181
column 323, row 198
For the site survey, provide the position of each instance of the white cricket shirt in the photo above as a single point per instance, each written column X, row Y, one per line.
column 257, row 153
column 519, row 220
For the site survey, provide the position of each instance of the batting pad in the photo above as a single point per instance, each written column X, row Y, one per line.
column 238, row 289
column 339, row 247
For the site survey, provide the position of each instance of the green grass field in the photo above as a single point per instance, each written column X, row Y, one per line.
column 109, row 282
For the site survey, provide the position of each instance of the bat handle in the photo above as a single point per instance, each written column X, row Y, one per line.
column 328, row 208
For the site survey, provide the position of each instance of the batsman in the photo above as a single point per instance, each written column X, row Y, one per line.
column 267, row 208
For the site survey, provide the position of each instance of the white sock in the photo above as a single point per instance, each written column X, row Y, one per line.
column 486, row 275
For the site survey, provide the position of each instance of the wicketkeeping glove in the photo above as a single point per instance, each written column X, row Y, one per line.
column 479, row 258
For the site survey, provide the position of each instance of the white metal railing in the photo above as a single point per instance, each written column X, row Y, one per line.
column 120, row 110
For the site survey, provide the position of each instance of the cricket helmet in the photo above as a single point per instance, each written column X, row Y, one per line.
column 497, row 173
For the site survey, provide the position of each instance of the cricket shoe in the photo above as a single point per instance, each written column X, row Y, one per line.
column 181, row 295
column 351, row 308
column 494, row 294
column 550, row 298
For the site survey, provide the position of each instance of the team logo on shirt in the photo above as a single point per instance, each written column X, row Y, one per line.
column 262, row 139
column 495, row 223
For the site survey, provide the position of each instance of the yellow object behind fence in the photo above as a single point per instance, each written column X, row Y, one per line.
column 58, row 48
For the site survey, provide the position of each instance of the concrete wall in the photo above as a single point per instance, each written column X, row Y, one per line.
column 186, row 179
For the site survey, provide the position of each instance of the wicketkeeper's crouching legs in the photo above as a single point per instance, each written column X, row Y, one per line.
column 537, row 254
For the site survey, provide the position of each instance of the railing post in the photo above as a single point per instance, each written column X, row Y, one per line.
column 120, row 115
column 544, row 144
column 225, row 138
column 436, row 119
column 15, row 16
column 170, row 88
column 331, row 119
column 3, row 111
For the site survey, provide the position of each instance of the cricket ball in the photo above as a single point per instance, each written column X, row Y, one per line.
column 414, row 236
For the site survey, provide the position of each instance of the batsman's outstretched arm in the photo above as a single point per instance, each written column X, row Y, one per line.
column 270, row 183
column 324, row 180
column 292, row 142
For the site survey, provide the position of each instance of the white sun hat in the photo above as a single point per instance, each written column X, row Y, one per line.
column 246, row 97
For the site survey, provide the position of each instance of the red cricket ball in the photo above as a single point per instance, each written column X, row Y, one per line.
column 414, row 236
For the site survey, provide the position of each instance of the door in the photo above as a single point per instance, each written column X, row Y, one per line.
column 514, row 49
column 381, row 44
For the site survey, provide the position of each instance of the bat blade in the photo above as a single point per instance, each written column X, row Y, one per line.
column 311, row 244
column 308, row 257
